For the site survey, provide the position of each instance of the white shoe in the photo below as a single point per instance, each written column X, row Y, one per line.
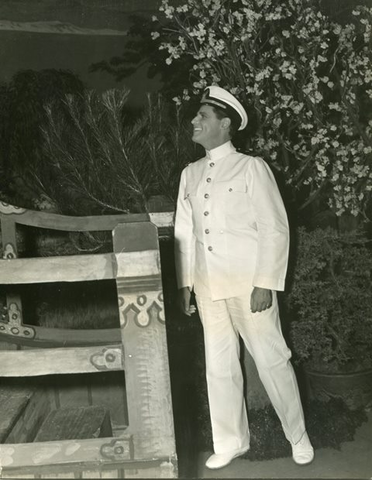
column 220, row 460
column 303, row 452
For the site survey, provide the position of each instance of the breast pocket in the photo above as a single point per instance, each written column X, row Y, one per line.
column 237, row 186
column 234, row 197
column 232, row 190
column 190, row 193
column 192, row 197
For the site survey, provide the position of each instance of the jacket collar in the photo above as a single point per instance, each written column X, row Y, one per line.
column 221, row 151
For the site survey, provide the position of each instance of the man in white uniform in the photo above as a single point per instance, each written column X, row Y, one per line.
column 231, row 246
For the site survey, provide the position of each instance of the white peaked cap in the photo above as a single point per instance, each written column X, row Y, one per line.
column 223, row 99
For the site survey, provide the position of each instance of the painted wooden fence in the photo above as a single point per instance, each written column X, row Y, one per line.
column 146, row 448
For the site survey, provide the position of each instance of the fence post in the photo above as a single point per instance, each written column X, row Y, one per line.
column 14, row 324
column 143, row 333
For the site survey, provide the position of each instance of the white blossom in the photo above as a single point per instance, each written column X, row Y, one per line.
column 305, row 105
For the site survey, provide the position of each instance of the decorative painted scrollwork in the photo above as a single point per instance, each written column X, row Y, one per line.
column 6, row 456
column 8, row 209
column 156, row 312
column 108, row 359
column 14, row 324
column 9, row 252
column 117, row 449
column 142, row 308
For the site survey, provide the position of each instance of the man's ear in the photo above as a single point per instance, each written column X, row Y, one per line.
column 225, row 123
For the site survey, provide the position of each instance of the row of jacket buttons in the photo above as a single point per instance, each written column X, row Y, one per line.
column 206, row 213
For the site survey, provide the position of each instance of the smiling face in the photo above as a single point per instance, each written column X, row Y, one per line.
column 208, row 130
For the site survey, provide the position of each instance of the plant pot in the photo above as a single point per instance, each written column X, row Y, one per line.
column 354, row 388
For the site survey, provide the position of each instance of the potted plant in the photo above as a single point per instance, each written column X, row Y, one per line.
column 330, row 306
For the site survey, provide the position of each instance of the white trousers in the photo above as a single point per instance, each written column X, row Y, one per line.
column 223, row 321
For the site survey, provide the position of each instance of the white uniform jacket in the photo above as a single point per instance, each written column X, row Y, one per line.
column 231, row 227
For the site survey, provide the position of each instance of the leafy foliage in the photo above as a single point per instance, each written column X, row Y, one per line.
column 330, row 300
column 22, row 113
column 99, row 158
column 329, row 424
column 140, row 50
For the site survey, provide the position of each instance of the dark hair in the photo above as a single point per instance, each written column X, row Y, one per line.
column 235, row 120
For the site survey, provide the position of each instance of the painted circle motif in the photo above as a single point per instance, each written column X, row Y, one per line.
column 14, row 330
column 119, row 450
column 142, row 319
column 7, row 208
column 110, row 357
column 121, row 301
column 141, row 300
column 161, row 297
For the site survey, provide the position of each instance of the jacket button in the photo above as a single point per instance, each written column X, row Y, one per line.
column 209, row 179
column 206, row 195
column 206, row 213
column 206, row 231
column 210, row 248
column 211, row 164
column 230, row 189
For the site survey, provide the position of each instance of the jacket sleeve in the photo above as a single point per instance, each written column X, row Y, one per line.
column 272, row 227
column 184, row 238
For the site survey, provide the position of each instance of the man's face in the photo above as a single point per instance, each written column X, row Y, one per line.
column 207, row 128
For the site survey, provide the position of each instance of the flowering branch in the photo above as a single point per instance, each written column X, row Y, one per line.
column 303, row 78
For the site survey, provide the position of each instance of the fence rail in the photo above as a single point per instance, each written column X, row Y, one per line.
column 35, row 362
column 71, row 268
column 67, row 223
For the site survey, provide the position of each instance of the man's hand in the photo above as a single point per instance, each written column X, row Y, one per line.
column 261, row 299
column 184, row 297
